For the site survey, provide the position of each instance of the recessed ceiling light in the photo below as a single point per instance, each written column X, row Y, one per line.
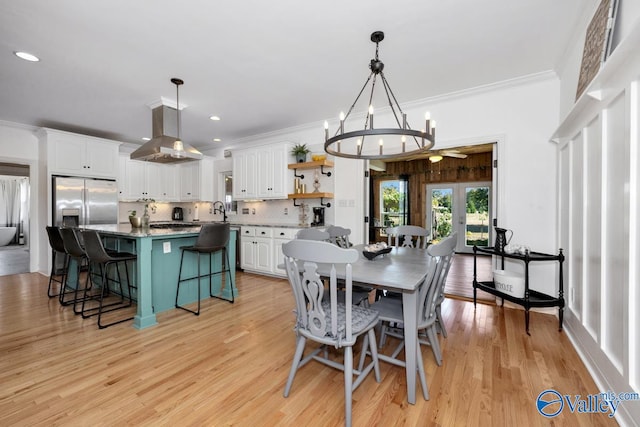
column 216, row 140
column 27, row 56
column 214, row 118
column 146, row 139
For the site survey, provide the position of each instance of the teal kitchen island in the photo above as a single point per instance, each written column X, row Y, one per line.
column 156, row 269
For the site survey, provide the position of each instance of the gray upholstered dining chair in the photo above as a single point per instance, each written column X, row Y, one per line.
column 404, row 235
column 328, row 321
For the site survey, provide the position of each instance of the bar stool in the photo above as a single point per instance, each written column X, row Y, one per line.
column 57, row 247
column 75, row 252
column 98, row 257
column 212, row 238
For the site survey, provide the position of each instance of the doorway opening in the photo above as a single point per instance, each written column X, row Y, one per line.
column 14, row 219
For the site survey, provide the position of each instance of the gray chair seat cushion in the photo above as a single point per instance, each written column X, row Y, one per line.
column 361, row 318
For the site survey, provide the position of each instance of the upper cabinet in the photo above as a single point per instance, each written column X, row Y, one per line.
column 261, row 173
column 244, row 175
column 147, row 180
column 80, row 155
column 196, row 181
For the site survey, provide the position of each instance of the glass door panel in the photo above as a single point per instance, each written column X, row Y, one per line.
column 476, row 221
column 440, row 214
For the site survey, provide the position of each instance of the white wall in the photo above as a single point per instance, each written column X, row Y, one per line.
column 520, row 115
column 599, row 170
column 18, row 144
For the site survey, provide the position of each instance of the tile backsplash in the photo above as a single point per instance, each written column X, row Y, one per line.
column 264, row 212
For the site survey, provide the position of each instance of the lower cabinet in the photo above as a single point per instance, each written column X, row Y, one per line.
column 261, row 248
column 256, row 246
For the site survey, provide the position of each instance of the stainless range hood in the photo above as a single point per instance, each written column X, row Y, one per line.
column 159, row 149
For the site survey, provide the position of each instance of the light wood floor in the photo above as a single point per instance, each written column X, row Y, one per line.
column 229, row 366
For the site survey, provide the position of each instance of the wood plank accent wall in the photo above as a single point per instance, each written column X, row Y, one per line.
column 476, row 167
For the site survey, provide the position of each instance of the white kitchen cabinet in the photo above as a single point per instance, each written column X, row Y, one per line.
column 196, row 181
column 80, row 155
column 169, row 181
column 261, row 248
column 244, row 175
column 280, row 237
column 256, row 249
column 122, row 177
column 273, row 178
column 261, row 173
column 147, row 180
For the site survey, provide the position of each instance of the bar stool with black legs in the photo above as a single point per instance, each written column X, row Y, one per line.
column 213, row 238
column 75, row 252
column 100, row 261
column 57, row 248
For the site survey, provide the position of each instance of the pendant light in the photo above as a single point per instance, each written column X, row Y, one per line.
column 178, row 146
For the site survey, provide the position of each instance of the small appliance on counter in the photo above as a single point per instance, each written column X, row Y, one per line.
column 178, row 214
column 318, row 217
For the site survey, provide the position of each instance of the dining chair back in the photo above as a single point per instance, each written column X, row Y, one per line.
column 412, row 236
column 339, row 236
column 312, row 234
column 446, row 250
column 328, row 321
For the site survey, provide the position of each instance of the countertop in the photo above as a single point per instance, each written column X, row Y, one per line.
column 237, row 225
column 127, row 230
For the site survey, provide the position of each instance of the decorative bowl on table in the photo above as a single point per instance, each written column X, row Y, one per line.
column 376, row 249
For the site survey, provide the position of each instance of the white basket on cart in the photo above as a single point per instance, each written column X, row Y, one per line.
column 509, row 282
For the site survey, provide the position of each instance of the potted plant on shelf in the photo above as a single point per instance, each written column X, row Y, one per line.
column 135, row 221
column 300, row 152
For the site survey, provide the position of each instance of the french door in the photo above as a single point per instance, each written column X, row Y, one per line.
column 464, row 208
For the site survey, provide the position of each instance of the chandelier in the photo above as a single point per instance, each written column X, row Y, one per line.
column 383, row 142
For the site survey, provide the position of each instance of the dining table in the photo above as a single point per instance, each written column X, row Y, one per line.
column 401, row 270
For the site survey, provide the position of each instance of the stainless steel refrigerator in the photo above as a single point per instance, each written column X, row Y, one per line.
column 84, row 201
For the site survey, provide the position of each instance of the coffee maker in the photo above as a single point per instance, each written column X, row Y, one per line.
column 318, row 217
column 177, row 214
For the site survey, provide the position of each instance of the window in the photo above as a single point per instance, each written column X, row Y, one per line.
column 394, row 203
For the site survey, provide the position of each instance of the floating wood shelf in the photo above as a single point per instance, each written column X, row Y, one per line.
column 320, row 196
column 311, row 165
column 311, row 196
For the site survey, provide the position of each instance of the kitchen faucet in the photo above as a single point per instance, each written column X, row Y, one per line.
column 220, row 209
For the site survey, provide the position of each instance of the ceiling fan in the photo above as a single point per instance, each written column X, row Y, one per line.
column 437, row 155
